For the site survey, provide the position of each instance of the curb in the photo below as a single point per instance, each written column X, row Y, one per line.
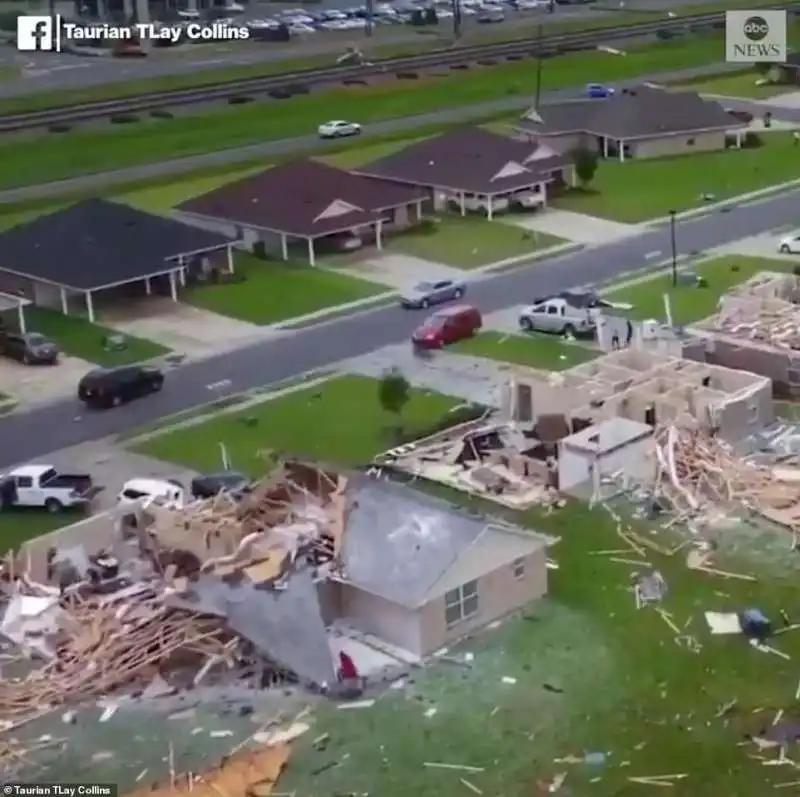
column 513, row 263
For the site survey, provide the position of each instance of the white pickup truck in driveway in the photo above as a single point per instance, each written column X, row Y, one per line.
column 43, row 486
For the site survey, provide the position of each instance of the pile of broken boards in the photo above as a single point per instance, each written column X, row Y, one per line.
column 701, row 476
column 159, row 610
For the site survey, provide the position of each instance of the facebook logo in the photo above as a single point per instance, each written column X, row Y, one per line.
column 42, row 34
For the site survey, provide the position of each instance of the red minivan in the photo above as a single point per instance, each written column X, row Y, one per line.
column 448, row 326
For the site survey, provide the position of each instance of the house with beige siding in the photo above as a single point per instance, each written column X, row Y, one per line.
column 641, row 122
column 421, row 573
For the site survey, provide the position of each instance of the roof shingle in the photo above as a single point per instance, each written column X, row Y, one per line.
column 303, row 198
column 97, row 243
column 643, row 112
column 469, row 159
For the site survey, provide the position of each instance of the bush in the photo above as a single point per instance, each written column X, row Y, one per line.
column 239, row 100
column 162, row 114
column 462, row 415
column 298, row 88
column 796, row 271
column 459, row 66
column 407, row 75
column 59, row 128
column 278, row 94
column 124, row 118
column 664, row 35
column 355, row 82
column 751, row 140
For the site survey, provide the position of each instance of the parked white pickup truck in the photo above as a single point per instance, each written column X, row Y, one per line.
column 43, row 486
column 163, row 492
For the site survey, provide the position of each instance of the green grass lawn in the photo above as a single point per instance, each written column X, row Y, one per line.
column 340, row 421
column 736, row 85
column 78, row 337
column 468, row 242
column 624, row 191
column 17, row 526
column 592, row 672
column 85, row 151
column 274, row 291
column 690, row 304
column 548, row 352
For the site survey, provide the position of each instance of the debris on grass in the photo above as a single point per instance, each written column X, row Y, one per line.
column 457, row 767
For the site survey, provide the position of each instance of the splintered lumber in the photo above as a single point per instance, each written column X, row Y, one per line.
column 250, row 773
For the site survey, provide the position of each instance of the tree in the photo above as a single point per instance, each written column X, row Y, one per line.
column 394, row 391
column 585, row 162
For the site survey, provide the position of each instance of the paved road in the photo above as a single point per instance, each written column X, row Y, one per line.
column 67, row 423
column 303, row 144
column 51, row 72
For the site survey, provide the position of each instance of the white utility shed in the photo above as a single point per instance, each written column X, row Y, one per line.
column 617, row 444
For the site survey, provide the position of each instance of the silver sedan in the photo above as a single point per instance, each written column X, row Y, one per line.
column 425, row 294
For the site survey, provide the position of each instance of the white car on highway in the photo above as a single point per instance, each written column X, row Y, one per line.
column 339, row 129
column 790, row 245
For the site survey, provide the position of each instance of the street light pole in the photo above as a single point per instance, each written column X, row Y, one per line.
column 456, row 6
column 674, row 248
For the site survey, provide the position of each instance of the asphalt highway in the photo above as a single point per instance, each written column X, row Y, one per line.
column 32, row 434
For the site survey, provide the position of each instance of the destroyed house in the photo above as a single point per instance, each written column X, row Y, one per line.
column 283, row 577
column 756, row 329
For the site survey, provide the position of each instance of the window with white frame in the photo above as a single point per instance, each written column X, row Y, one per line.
column 461, row 603
column 518, row 569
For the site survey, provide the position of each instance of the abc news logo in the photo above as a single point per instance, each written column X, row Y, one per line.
column 756, row 44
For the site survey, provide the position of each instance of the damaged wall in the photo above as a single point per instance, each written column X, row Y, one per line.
column 648, row 388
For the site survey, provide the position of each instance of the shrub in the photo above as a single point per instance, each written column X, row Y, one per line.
column 59, row 128
column 751, row 140
column 239, row 100
column 406, row 75
column 124, row 118
column 162, row 114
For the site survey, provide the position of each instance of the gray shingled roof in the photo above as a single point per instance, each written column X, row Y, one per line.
column 469, row 159
column 96, row 243
column 642, row 112
column 400, row 542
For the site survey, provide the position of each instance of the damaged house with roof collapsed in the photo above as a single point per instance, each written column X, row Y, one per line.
column 555, row 432
column 309, row 563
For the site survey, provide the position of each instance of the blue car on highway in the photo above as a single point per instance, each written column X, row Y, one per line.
column 598, row 91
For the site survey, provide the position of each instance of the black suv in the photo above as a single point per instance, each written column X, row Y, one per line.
column 110, row 387
column 31, row 348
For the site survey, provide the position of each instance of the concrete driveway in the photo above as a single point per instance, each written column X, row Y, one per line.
column 401, row 271
column 32, row 385
column 577, row 227
column 180, row 327
column 111, row 466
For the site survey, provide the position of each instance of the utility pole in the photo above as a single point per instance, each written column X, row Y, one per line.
column 539, row 62
column 456, row 7
column 370, row 17
column 674, row 248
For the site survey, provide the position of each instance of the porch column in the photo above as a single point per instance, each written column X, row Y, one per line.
column 379, row 235
column 90, row 306
column 311, row 252
column 64, row 302
column 543, row 192
column 229, row 251
column 605, row 146
column 419, row 210
column 173, row 288
column 489, row 207
column 182, row 272
column 21, row 318
column 739, row 138
column 461, row 200
column 621, row 151
column 284, row 247
column 148, row 288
